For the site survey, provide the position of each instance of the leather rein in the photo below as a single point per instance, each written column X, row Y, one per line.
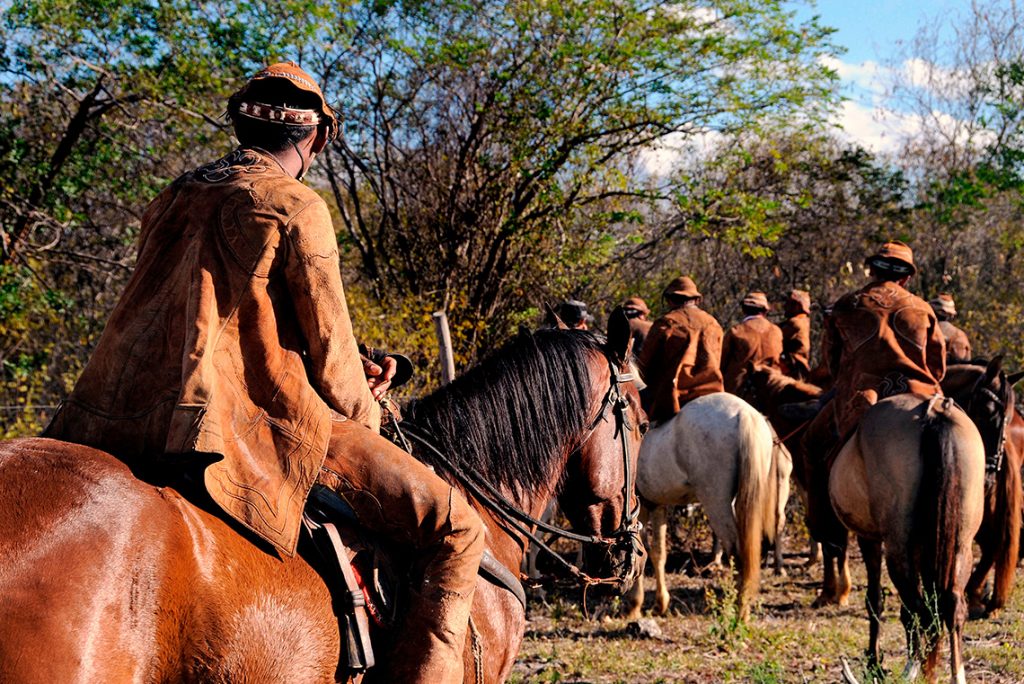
column 627, row 535
column 995, row 464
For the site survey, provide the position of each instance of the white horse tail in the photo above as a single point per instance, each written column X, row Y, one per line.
column 751, row 492
column 770, row 500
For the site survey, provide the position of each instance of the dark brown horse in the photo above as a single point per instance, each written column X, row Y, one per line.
column 106, row 578
column 986, row 393
column 790, row 406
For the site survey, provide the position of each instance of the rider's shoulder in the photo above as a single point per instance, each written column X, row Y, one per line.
column 257, row 177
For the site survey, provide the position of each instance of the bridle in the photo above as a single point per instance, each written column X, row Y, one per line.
column 625, row 538
column 995, row 463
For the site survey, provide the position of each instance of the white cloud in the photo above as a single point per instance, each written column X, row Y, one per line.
column 677, row 150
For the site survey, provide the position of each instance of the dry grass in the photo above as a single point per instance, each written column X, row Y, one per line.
column 786, row 641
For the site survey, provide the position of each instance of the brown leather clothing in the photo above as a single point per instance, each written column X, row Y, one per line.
column 879, row 341
column 958, row 347
column 232, row 338
column 680, row 361
column 756, row 340
column 638, row 330
column 402, row 499
column 796, row 346
column 233, row 343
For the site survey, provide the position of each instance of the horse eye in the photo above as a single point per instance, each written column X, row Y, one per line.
column 644, row 427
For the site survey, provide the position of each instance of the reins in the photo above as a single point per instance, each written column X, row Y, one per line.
column 1000, row 452
column 522, row 522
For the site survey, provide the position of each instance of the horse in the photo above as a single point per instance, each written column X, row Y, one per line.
column 986, row 393
column 790, row 405
column 717, row 451
column 910, row 481
column 109, row 578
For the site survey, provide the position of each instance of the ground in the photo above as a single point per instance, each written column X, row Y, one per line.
column 785, row 641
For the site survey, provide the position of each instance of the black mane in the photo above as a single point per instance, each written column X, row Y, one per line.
column 511, row 417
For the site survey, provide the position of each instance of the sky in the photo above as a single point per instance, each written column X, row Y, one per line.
column 875, row 34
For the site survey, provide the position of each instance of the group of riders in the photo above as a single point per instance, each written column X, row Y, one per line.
column 230, row 361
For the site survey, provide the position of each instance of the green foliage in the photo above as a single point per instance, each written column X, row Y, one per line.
column 528, row 118
column 727, row 627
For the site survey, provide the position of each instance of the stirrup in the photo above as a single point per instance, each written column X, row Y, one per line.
column 348, row 603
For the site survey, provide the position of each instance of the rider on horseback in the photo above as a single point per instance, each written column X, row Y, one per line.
column 879, row 341
column 796, row 335
column 958, row 347
column 755, row 339
column 231, row 352
column 682, row 352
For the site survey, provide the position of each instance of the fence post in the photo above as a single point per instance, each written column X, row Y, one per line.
column 444, row 345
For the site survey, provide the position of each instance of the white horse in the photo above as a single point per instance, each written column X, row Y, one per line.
column 716, row 451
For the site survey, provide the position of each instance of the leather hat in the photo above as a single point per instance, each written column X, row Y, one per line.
column 683, row 286
column 636, row 304
column 895, row 257
column 280, row 112
column 802, row 298
column 756, row 299
column 944, row 304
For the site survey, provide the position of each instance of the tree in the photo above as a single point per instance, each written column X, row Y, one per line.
column 484, row 144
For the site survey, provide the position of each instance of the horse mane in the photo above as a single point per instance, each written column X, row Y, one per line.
column 511, row 418
column 784, row 389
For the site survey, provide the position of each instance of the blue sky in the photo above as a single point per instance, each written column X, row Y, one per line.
column 872, row 29
column 876, row 34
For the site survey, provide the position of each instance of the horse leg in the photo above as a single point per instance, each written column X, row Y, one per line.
column 716, row 552
column 913, row 612
column 872, row 552
column 976, row 584
column 659, row 554
column 828, row 580
column 813, row 552
column 843, row 583
column 636, row 592
column 746, row 571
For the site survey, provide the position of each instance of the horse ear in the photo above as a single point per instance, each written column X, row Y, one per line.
column 993, row 368
column 1013, row 378
column 620, row 337
column 559, row 323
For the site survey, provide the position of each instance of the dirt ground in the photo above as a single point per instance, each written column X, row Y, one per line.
column 785, row 641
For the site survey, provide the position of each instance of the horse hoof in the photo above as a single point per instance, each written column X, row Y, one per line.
column 824, row 600
column 632, row 616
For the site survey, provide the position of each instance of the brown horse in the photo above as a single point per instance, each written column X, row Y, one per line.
column 911, row 481
column 986, row 393
column 790, row 405
column 106, row 578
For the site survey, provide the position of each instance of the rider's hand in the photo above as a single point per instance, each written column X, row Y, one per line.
column 378, row 375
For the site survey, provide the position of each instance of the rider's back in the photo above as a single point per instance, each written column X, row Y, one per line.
column 205, row 351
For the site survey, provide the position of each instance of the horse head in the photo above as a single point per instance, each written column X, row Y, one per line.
column 598, row 494
column 553, row 413
column 987, row 396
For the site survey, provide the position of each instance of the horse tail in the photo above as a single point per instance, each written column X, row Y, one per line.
column 1008, row 523
column 938, row 516
column 770, row 500
column 754, row 459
